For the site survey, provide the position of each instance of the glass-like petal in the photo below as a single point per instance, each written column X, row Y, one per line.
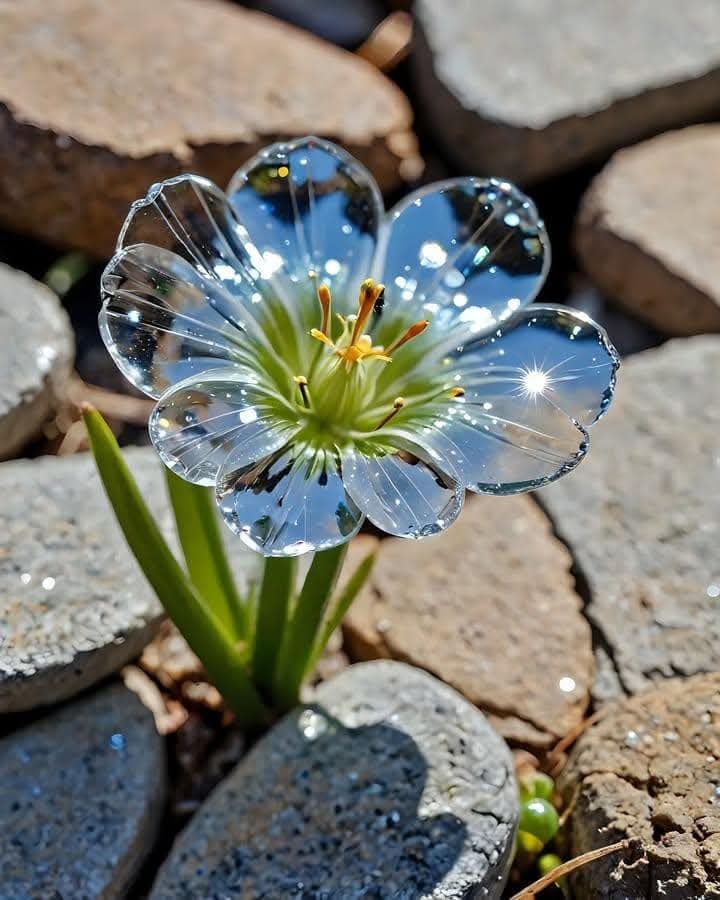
column 309, row 207
column 465, row 253
column 531, row 391
column 199, row 422
column 291, row 502
column 404, row 492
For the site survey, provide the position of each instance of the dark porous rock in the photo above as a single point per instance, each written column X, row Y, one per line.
column 36, row 356
column 648, row 230
column 82, row 795
column 121, row 95
column 526, row 90
column 642, row 519
column 391, row 786
column 490, row 607
column 649, row 770
column 73, row 601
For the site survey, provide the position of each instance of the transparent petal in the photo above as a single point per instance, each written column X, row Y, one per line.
column 158, row 322
column 531, row 391
column 199, row 422
column 403, row 492
column 309, row 207
column 465, row 253
column 289, row 503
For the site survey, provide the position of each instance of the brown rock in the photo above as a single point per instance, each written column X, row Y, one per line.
column 529, row 89
column 121, row 95
column 650, row 770
column 641, row 517
column 649, row 227
column 489, row 607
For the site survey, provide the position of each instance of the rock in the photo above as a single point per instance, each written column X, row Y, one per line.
column 108, row 107
column 649, row 770
column 648, row 226
column 642, row 518
column 392, row 785
column 489, row 607
column 36, row 357
column 75, row 604
column 527, row 90
column 83, row 793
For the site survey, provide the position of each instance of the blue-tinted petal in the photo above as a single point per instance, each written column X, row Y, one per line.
column 289, row 503
column 199, row 422
column 311, row 208
column 465, row 253
column 531, row 391
column 404, row 492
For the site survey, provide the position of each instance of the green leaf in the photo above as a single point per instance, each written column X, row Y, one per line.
column 200, row 626
column 352, row 588
column 277, row 586
column 303, row 626
column 199, row 531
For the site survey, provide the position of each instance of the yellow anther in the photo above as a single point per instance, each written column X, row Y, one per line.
column 302, row 382
column 412, row 332
column 398, row 404
column 325, row 300
column 322, row 337
column 457, row 392
column 370, row 291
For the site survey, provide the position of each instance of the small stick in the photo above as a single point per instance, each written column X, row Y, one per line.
column 531, row 892
column 389, row 43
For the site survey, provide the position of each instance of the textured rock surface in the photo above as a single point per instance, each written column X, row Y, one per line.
column 650, row 770
column 391, row 786
column 648, row 230
column 527, row 89
column 489, row 607
column 642, row 518
column 82, row 795
column 107, row 107
column 36, row 356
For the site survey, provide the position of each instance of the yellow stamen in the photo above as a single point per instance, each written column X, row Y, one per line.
column 457, row 392
column 322, row 337
column 302, row 382
column 398, row 404
column 370, row 291
column 325, row 299
column 412, row 332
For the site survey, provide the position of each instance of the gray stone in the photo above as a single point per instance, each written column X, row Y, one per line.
column 82, row 795
column 642, row 519
column 529, row 88
column 490, row 607
column 649, row 771
column 391, row 786
column 107, row 107
column 647, row 230
column 36, row 356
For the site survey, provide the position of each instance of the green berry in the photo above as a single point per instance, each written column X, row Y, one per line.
column 543, row 786
column 547, row 862
column 539, row 818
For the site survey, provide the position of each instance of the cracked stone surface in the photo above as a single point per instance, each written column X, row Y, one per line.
column 37, row 348
column 642, row 519
column 82, row 795
column 489, row 606
column 526, row 89
column 391, row 785
column 647, row 230
column 108, row 108
column 650, row 770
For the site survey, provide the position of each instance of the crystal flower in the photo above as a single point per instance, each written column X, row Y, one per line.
column 319, row 361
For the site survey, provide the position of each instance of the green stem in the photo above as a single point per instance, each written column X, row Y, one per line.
column 201, row 628
column 201, row 540
column 275, row 591
column 302, row 630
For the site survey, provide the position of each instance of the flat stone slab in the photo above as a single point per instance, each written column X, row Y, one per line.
column 642, row 519
column 390, row 786
column 489, row 607
column 108, row 108
column 526, row 90
column 37, row 348
column 647, row 230
column 82, row 795
column 649, row 770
